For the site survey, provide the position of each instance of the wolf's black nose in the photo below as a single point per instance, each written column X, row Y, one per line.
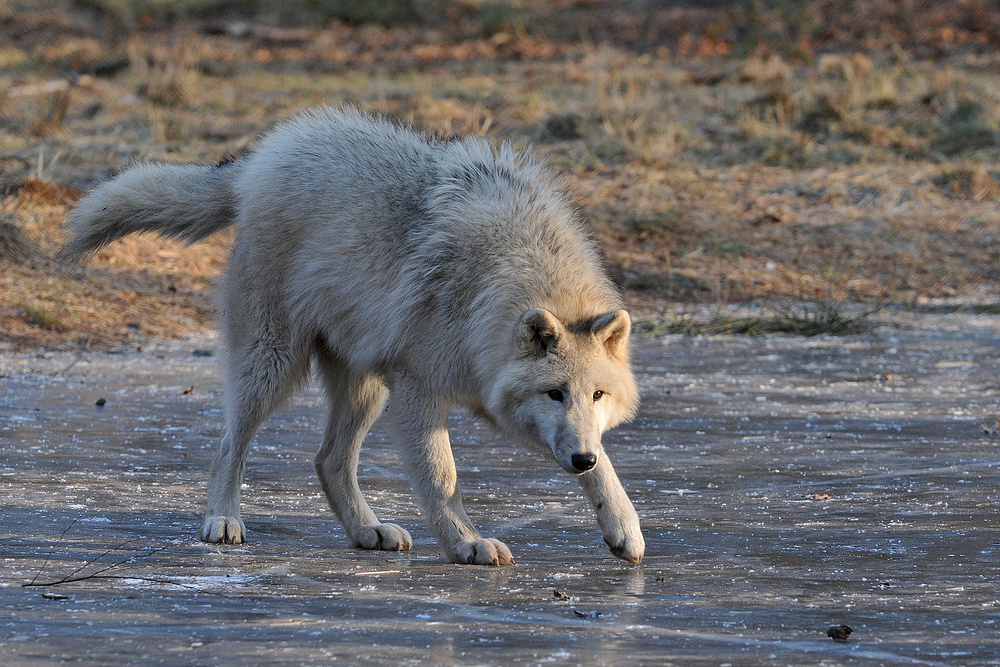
column 584, row 462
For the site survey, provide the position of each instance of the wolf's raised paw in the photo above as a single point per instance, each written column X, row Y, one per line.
column 622, row 532
column 629, row 549
column 484, row 551
column 628, row 546
column 223, row 530
column 384, row 537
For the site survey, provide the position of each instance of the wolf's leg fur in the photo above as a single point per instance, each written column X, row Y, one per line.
column 355, row 403
column 420, row 419
column 263, row 364
column 615, row 513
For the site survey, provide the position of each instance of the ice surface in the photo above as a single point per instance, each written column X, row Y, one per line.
column 786, row 485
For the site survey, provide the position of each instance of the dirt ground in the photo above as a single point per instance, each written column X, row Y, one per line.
column 725, row 153
column 786, row 485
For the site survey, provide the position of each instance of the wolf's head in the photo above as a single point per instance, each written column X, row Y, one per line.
column 567, row 384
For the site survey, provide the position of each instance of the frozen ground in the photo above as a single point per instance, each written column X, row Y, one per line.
column 786, row 485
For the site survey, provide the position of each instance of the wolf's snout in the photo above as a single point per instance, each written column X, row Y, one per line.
column 584, row 462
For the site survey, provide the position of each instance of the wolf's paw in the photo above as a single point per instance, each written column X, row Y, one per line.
column 483, row 551
column 384, row 537
column 223, row 530
column 626, row 542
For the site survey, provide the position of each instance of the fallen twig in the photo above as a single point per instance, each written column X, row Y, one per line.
column 79, row 356
column 52, row 551
column 99, row 574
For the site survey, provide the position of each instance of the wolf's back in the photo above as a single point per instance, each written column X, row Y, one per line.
column 186, row 202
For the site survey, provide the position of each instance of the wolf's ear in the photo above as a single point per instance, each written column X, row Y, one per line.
column 540, row 331
column 612, row 330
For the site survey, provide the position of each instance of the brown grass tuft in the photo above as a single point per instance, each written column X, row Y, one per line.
column 969, row 181
column 165, row 75
column 15, row 246
column 41, row 192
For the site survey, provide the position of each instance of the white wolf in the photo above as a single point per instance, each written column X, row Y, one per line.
column 425, row 273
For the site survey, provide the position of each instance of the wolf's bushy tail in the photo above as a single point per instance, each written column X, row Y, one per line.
column 185, row 202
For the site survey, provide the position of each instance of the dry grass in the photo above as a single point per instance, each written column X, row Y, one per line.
column 15, row 246
column 722, row 156
column 805, row 319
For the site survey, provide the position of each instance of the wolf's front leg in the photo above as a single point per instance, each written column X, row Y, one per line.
column 420, row 419
column 615, row 513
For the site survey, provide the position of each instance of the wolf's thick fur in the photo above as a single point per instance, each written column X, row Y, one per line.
column 420, row 272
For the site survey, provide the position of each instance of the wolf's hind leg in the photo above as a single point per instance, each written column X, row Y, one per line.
column 615, row 513
column 260, row 373
column 355, row 403
column 420, row 420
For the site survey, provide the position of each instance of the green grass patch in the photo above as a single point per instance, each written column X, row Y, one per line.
column 811, row 319
column 39, row 317
column 968, row 130
column 964, row 308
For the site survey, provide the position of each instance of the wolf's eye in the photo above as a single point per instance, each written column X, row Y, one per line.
column 555, row 395
column 598, row 394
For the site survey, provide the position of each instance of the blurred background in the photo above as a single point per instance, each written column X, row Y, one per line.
column 726, row 154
